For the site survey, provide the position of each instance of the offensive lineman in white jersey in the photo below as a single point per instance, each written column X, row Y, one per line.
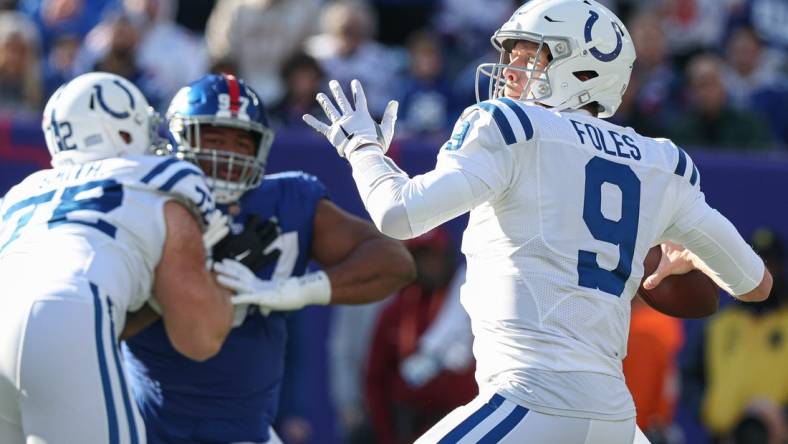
column 563, row 209
column 84, row 243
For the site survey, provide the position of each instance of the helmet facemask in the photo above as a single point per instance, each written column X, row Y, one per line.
column 230, row 174
column 535, row 69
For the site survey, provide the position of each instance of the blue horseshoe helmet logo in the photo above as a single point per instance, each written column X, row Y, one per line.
column 599, row 55
column 115, row 114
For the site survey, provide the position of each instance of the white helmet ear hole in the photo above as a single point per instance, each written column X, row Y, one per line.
column 126, row 136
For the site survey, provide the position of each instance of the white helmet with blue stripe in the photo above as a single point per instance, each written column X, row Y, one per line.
column 96, row 116
column 591, row 55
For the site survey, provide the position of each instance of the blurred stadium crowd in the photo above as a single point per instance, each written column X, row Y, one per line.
column 709, row 73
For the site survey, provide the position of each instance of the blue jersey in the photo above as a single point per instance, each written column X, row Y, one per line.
column 234, row 395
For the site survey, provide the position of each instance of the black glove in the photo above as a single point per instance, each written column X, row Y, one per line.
column 248, row 247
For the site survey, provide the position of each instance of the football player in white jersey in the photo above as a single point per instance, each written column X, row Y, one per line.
column 563, row 209
column 84, row 243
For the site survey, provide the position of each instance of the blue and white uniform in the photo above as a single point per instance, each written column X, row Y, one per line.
column 563, row 210
column 78, row 249
column 233, row 396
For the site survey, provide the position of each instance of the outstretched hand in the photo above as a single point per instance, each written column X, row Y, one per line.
column 351, row 128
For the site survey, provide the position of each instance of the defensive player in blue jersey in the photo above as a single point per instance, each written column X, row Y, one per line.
column 219, row 123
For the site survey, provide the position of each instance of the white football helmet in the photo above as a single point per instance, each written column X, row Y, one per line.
column 586, row 41
column 96, row 116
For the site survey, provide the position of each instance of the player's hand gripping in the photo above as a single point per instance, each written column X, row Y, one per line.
column 354, row 127
column 675, row 260
column 216, row 228
column 253, row 247
column 274, row 295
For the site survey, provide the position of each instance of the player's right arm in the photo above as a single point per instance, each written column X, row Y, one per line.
column 716, row 249
column 715, row 246
column 196, row 311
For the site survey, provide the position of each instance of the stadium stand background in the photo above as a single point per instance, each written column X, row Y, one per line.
column 711, row 74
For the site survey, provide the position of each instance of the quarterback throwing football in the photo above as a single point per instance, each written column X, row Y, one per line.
column 563, row 208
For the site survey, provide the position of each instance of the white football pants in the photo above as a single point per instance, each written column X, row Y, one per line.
column 61, row 377
column 494, row 419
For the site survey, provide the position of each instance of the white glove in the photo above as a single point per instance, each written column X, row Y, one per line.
column 278, row 295
column 355, row 127
column 419, row 369
column 457, row 356
column 217, row 227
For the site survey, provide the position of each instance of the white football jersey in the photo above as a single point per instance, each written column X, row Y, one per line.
column 102, row 221
column 556, row 255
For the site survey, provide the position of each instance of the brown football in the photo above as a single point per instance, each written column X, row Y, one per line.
column 691, row 295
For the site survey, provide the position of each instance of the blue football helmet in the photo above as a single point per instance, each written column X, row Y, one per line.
column 221, row 101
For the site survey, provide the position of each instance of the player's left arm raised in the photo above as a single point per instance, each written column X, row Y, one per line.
column 404, row 207
column 362, row 264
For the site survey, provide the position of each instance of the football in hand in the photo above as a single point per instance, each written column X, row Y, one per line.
column 691, row 295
